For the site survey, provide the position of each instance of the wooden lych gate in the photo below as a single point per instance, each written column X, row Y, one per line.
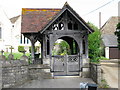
column 65, row 65
column 49, row 25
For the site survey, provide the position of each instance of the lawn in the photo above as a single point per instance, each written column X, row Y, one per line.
column 16, row 55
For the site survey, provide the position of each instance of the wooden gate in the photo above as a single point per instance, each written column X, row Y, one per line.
column 66, row 65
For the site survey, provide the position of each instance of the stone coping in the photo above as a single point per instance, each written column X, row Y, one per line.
column 96, row 64
column 39, row 66
column 13, row 63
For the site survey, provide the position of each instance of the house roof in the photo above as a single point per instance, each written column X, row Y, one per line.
column 109, row 40
column 110, row 26
column 35, row 20
column 14, row 19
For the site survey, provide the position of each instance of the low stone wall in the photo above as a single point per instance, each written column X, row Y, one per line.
column 95, row 72
column 14, row 72
column 39, row 72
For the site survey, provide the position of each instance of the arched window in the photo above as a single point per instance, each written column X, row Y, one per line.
column 61, row 26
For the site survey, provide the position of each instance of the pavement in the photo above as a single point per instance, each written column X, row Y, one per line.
column 110, row 72
column 66, row 82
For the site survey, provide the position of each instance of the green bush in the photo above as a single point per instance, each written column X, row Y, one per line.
column 21, row 48
column 94, row 44
column 117, row 33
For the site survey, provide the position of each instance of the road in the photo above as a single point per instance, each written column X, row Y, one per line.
column 110, row 72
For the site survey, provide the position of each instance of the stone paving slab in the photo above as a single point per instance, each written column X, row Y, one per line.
column 67, row 82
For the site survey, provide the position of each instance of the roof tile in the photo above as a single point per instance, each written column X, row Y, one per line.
column 37, row 18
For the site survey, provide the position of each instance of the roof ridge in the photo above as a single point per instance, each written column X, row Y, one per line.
column 14, row 19
column 41, row 8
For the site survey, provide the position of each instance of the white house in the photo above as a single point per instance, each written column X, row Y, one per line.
column 5, row 31
column 10, row 33
column 17, row 38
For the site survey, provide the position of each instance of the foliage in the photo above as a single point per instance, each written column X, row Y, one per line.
column 21, row 48
column 103, row 58
column 104, row 84
column 94, row 40
column 118, row 34
column 64, row 48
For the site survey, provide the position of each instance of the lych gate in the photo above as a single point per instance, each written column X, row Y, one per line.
column 49, row 25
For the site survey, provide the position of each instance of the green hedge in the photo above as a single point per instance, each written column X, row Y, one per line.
column 21, row 48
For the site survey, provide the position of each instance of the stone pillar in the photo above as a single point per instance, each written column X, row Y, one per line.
column 99, row 76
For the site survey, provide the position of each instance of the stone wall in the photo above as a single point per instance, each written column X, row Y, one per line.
column 95, row 72
column 14, row 72
column 39, row 72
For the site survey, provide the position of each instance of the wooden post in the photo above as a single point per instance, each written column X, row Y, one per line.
column 81, row 49
column 33, row 38
column 33, row 50
column 86, row 46
column 42, row 52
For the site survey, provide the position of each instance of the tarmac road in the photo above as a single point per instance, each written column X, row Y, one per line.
column 110, row 72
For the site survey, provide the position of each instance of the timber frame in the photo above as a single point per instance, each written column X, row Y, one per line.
column 66, row 25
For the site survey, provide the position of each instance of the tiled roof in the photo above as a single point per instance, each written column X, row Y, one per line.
column 14, row 19
column 110, row 26
column 34, row 20
column 110, row 40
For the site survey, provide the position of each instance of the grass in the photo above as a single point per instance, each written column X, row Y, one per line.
column 16, row 55
column 103, row 58
column 104, row 84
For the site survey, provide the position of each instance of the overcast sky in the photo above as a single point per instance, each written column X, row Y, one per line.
column 82, row 7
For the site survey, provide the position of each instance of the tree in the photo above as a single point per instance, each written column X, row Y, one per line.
column 118, row 34
column 94, row 46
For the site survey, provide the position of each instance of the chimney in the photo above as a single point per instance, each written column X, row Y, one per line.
column 99, row 20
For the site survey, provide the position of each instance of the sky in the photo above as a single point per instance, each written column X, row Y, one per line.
column 87, row 9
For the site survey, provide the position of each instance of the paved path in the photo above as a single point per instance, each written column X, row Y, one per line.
column 67, row 82
column 110, row 70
